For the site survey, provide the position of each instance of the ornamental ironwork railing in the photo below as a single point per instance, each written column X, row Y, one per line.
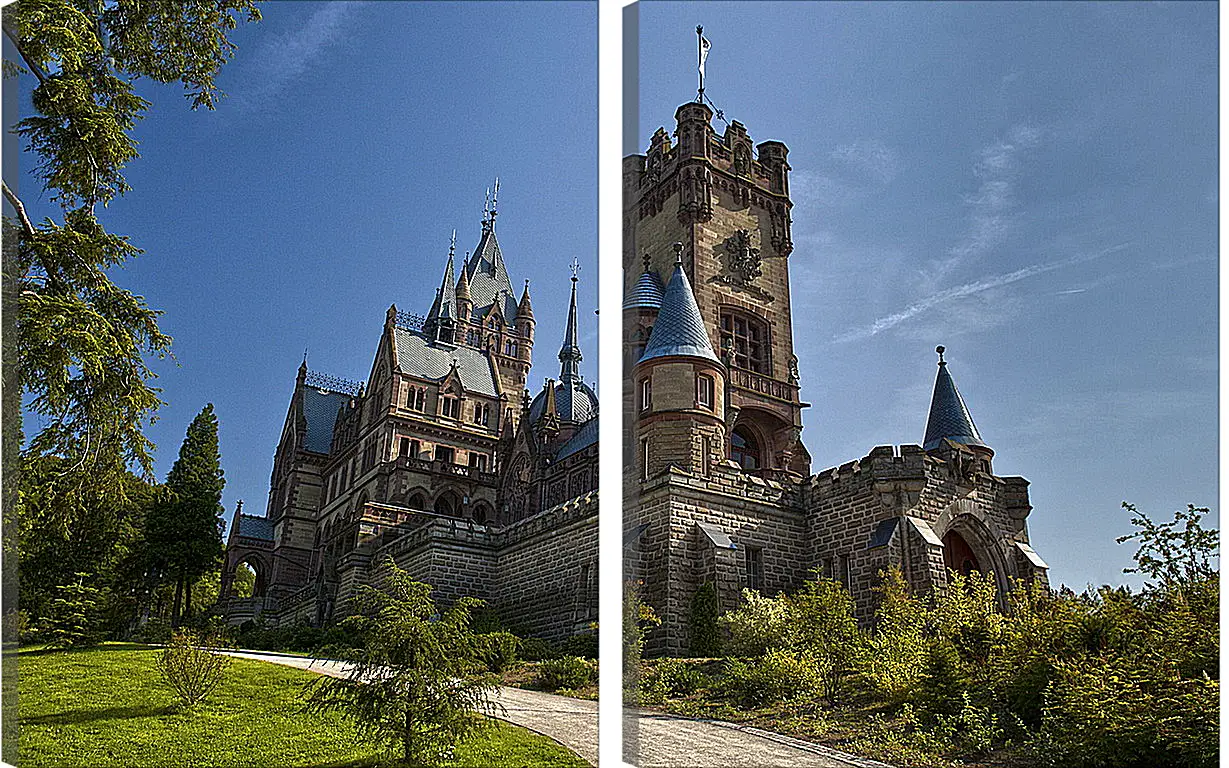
column 409, row 321
column 331, row 383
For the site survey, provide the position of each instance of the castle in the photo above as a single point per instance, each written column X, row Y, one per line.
column 441, row 462
column 718, row 486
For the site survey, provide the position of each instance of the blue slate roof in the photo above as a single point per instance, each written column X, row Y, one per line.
column 574, row 402
column 949, row 416
column 647, row 293
column 584, row 437
column 320, row 409
column 254, row 526
column 488, row 278
column 679, row 330
column 418, row 356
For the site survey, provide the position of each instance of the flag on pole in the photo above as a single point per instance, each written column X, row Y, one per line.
column 704, row 46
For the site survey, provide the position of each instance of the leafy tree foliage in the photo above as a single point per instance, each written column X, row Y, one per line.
column 703, row 629
column 81, row 341
column 72, row 620
column 420, row 683
column 184, row 526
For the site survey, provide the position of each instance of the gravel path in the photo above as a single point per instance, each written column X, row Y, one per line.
column 656, row 740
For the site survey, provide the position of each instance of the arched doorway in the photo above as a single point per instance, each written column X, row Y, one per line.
column 958, row 556
column 745, row 449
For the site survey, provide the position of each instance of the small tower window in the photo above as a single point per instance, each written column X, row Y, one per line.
column 644, row 459
column 704, row 392
column 646, row 394
column 744, row 449
column 747, row 339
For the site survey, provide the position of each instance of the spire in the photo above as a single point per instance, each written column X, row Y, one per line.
column 949, row 417
column 569, row 353
column 444, row 308
column 462, row 287
column 679, row 329
column 524, row 310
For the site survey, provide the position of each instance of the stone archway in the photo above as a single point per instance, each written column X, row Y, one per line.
column 254, row 584
column 970, row 544
column 958, row 556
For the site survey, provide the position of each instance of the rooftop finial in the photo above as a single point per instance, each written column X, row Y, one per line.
column 647, row 259
column 495, row 201
column 575, row 267
column 678, row 253
column 941, row 349
column 703, row 45
column 452, row 247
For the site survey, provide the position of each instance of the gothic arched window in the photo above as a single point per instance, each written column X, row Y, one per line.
column 745, row 449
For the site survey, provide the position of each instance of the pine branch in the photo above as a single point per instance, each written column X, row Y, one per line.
column 36, row 69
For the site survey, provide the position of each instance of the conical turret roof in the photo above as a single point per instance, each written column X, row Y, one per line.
column 949, row 416
column 679, row 329
column 445, row 305
column 524, row 309
column 646, row 293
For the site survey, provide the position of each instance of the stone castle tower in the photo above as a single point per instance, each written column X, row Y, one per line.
column 717, row 481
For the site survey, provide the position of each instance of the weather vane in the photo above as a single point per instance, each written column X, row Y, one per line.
column 575, row 267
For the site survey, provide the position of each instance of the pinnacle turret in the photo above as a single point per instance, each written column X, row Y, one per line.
column 679, row 330
column 949, row 417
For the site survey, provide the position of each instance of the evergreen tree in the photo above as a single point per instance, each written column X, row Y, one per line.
column 184, row 527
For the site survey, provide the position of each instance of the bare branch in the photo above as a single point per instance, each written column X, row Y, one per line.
column 15, row 201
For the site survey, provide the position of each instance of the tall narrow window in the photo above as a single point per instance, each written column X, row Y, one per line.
column 414, row 448
column 646, row 394
column 449, row 406
column 404, row 449
column 706, row 454
column 747, row 339
column 704, row 392
column 753, row 560
column 644, row 459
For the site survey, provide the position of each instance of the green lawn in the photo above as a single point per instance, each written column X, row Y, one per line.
column 108, row 707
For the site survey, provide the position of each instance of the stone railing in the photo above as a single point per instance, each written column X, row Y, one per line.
column 446, row 468
column 764, row 385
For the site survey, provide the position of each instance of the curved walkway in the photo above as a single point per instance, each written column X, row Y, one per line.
column 657, row 740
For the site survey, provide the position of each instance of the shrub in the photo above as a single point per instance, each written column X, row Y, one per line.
column 704, row 630
column 565, row 672
column 757, row 625
column 777, row 676
column 678, row 678
column 897, row 644
column 191, row 670
column 822, row 629
column 584, row 646
column 537, row 649
column 498, row 650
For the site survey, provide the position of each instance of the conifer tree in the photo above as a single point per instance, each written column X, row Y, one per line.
column 184, row 528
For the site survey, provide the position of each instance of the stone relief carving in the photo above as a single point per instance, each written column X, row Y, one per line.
column 742, row 258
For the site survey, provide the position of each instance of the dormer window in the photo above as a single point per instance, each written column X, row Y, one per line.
column 450, row 407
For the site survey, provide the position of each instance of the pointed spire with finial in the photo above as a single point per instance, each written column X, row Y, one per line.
column 569, row 353
column 524, row 309
column 949, row 417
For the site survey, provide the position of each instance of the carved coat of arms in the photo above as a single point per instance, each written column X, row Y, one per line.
column 742, row 258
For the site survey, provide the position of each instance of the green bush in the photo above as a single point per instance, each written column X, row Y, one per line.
column 566, row 672
column 757, row 625
column 775, row 677
column 678, row 678
column 537, row 649
column 498, row 650
column 584, row 646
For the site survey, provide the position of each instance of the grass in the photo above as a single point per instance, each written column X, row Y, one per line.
column 108, row 707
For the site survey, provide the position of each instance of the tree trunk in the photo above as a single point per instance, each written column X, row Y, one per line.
column 187, row 601
column 178, row 602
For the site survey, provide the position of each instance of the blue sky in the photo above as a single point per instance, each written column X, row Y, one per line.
column 355, row 138
column 1032, row 185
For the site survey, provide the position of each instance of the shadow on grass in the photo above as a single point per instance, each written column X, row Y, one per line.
column 42, row 650
column 94, row 715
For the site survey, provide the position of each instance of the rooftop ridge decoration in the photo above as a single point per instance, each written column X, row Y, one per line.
column 331, row 383
column 409, row 321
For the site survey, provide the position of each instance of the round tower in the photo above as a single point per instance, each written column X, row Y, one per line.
column 678, row 388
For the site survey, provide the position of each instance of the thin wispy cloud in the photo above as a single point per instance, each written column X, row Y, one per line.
column 992, row 208
column 854, row 171
column 968, row 289
column 283, row 58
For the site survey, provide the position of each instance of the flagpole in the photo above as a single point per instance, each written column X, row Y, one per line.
column 700, row 61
